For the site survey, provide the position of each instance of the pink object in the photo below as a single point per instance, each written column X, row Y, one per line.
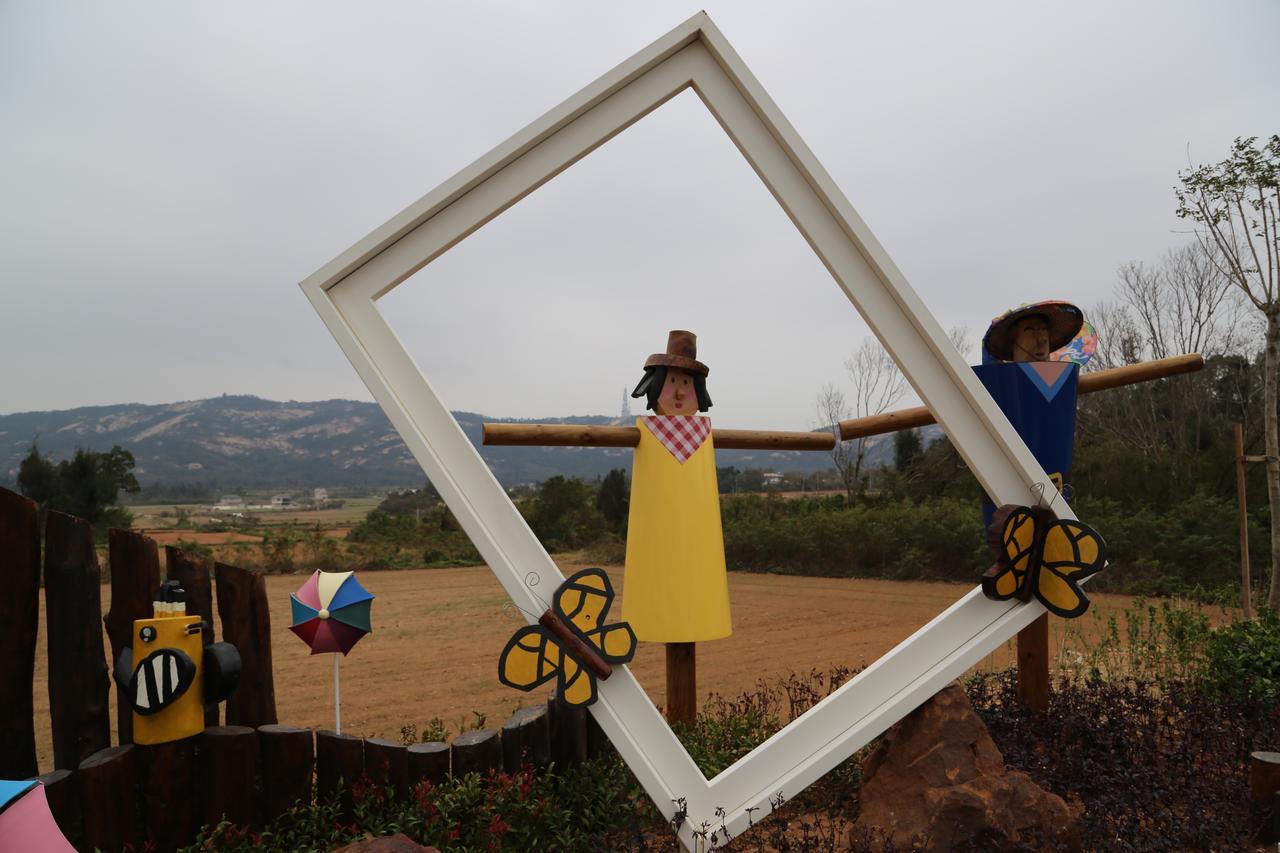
column 309, row 592
column 681, row 435
column 27, row 824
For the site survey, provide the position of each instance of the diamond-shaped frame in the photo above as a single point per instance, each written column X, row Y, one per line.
column 694, row 55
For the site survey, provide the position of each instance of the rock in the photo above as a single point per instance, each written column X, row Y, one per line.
column 939, row 777
column 398, row 843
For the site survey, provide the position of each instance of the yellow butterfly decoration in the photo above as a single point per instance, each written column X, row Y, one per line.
column 1037, row 553
column 571, row 641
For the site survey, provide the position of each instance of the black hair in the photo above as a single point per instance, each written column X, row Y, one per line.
column 651, row 383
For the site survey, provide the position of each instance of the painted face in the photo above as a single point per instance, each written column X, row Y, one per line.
column 678, row 396
column 1031, row 340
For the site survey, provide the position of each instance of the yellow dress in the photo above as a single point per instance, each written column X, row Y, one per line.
column 675, row 589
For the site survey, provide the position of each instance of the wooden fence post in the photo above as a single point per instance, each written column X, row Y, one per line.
column 568, row 732
column 339, row 764
column 60, row 791
column 476, row 752
column 108, row 787
column 171, row 792
column 19, row 624
column 246, row 624
column 230, row 770
column 135, row 576
column 428, row 762
column 526, row 738
column 387, row 765
column 288, row 756
column 78, row 680
column 194, row 572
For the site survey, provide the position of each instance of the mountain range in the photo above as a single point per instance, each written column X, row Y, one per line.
column 240, row 442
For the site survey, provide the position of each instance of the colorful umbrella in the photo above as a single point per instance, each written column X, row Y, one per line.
column 331, row 614
column 25, row 820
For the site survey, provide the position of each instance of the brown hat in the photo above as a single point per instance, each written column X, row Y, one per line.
column 1063, row 318
column 682, row 353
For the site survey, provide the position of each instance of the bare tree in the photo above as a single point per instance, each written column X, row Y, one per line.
column 832, row 408
column 1182, row 304
column 1236, row 205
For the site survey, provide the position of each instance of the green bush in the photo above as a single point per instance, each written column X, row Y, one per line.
column 1242, row 661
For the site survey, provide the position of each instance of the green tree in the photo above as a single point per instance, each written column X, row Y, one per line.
column 1236, row 204
column 564, row 514
column 614, row 498
column 907, row 447
column 88, row 485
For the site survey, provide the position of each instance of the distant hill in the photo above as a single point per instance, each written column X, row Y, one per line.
column 232, row 443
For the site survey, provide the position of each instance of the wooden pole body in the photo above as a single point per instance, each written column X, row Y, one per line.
column 230, row 770
column 78, row 682
column 287, row 759
column 108, row 785
column 135, row 576
column 19, row 626
column 682, row 682
column 246, row 624
column 171, row 792
column 194, row 572
column 1033, row 665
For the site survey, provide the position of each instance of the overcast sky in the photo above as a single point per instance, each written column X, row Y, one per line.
column 169, row 172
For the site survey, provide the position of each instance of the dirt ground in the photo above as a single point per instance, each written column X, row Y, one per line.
column 438, row 632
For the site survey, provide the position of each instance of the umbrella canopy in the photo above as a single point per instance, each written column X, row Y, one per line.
column 331, row 612
column 25, row 820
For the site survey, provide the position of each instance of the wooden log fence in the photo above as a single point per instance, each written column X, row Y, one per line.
column 19, row 624
column 248, row 772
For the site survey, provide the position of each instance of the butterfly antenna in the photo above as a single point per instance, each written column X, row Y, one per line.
column 510, row 610
column 531, row 580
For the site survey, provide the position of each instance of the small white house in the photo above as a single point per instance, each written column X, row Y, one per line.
column 281, row 501
column 230, row 502
column 772, row 478
column 320, row 496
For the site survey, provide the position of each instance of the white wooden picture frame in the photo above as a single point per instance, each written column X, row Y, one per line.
column 692, row 56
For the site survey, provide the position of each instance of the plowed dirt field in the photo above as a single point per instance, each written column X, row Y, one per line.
column 438, row 632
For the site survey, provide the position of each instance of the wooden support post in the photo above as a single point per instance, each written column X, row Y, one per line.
column 428, row 762
column 386, row 763
column 60, row 791
column 246, row 624
column 230, row 770
column 19, row 625
column 476, row 752
column 1246, row 607
column 682, row 682
column 170, row 792
column 288, row 756
column 1033, row 665
column 339, row 765
column 194, row 572
column 526, row 739
column 1264, row 785
column 568, row 732
column 78, row 682
column 108, row 783
column 135, row 576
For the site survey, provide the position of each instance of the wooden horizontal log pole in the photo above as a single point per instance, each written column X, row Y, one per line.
column 1103, row 380
column 577, row 435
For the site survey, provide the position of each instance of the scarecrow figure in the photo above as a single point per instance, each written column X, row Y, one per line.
column 675, row 589
column 1031, row 366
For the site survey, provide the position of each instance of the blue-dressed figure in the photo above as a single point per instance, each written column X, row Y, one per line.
column 1032, row 357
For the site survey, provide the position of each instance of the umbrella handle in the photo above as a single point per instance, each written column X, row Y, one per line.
column 337, row 699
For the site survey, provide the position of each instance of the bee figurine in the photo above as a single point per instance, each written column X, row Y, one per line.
column 176, row 674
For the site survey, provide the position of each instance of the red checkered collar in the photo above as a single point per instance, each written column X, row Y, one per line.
column 681, row 435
